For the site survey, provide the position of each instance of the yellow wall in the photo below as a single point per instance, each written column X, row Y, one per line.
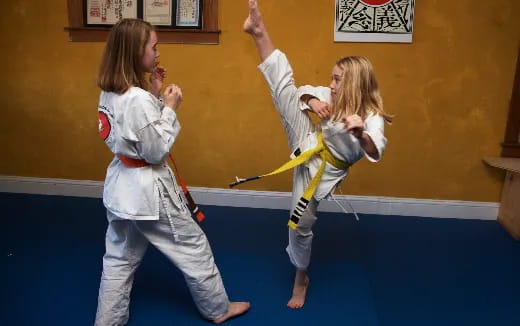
column 450, row 90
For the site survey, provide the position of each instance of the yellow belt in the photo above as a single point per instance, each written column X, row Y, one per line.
column 326, row 156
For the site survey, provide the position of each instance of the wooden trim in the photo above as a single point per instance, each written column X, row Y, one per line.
column 510, row 150
column 209, row 34
column 506, row 163
column 188, row 36
column 509, row 211
column 99, row 34
column 210, row 15
column 511, row 144
column 75, row 9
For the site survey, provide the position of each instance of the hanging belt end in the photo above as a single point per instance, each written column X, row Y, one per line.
column 236, row 183
column 239, row 181
column 200, row 216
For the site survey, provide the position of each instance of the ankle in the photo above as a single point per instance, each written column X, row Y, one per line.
column 258, row 34
column 302, row 277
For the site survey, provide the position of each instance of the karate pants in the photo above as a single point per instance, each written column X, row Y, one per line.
column 297, row 124
column 187, row 248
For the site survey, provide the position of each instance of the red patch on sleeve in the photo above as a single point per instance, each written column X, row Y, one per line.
column 104, row 125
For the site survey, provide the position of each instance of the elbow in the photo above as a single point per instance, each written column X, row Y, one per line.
column 374, row 156
column 157, row 158
column 163, row 158
column 156, row 161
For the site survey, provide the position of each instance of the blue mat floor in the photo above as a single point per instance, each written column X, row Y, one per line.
column 383, row 270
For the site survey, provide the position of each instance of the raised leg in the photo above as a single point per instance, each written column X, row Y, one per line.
column 254, row 25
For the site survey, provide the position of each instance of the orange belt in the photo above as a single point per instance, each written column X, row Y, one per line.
column 135, row 163
column 132, row 162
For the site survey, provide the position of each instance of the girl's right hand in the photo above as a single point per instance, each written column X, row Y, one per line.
column 156, row 80
column 172, row 96
column 354, row 125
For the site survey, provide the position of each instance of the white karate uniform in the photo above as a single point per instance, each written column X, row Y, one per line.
column 302, row 135
column 144, row 205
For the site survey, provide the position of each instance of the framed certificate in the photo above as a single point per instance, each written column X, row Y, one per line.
column 158, row 12
column 174, row 20
column 188, row 14
column 109, row 12
column 167, row 14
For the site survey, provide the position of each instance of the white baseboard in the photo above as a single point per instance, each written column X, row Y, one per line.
column 47, row 186
column 270, row 199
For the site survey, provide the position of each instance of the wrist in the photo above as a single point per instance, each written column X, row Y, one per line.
column 309, row 99
column 360, row 135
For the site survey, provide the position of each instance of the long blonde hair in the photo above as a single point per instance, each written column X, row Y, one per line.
column 359, row 92
column 121, row 66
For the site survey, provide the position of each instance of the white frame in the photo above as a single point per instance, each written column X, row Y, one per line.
column 371, row 36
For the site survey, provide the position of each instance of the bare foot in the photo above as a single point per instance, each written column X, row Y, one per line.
column 301, row 282
column 253, row 24
column 235, row 309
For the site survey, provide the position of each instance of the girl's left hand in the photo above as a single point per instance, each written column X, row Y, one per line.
column 156, row 80
column 354, row 125
column 322, row 109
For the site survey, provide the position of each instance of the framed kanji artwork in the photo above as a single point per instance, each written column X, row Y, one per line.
column 374, row 21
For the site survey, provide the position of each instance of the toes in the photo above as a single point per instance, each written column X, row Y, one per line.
column 294, row 304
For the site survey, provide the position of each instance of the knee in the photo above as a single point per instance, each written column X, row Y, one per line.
column 304, row 227
column 118, row 269
column 301, row 232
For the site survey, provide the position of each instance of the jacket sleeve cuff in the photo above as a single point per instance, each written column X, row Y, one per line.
column 168, row 114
